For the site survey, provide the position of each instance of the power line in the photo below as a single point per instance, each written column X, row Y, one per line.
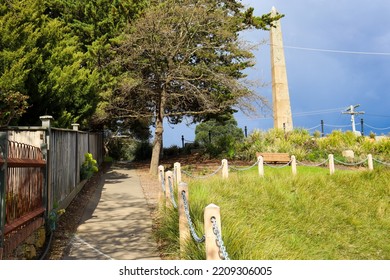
column 318, row 112
column 338, row 51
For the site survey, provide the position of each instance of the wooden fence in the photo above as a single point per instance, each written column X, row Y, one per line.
column 39, row 173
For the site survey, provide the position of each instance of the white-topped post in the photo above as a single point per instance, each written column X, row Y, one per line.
column 225, row 169
column 160, row 173
column 177, row 174
column 184, row 229
column 212, row 249
column 46, row 121
column 331, row 164
column 261, row 165
column 75, row 126
column 168, row 177
column 370, row 162
column 294, row 165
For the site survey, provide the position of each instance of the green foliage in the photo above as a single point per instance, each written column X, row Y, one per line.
column 89, row 167
column 219, row 137
column 54, row 52
column 12, row 106
column 128, row 149
column 173, row 150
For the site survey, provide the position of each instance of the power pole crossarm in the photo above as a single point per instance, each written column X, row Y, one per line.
column 351, row 111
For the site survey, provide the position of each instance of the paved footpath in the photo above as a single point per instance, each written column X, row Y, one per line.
column 117, row 223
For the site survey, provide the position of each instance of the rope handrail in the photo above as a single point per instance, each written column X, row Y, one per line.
column 222, row 249
column 282, row 166
column 381, row 162
column 245, row 168
column 350, row 164
column 313, row 165
column 202, row 177
column 171, row 192
column 189, row 220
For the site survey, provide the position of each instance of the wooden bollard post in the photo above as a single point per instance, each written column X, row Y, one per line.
column 212, row 249
column 225, row 169
column 331, row 164
column 168, row 176
column 294, row 165
column 184, row 229
column 161, row 175
column 261, row 166
column 160, row 172
column 370, row 162
column 177, row 174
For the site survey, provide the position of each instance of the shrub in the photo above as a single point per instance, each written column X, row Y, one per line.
column 89, row 167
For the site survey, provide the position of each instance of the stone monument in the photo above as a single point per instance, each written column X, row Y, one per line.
column 280, row 93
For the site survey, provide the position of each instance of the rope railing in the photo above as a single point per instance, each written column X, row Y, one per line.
column 215, row 247
column 278, row 166
column 330, row 161
column 204, row 176
column 189, row 220
column 350, row 163
column 171, row 191
column 381, row 162
column 245, row 168
column 162, row 180
column 313, row 165
column 222, row 249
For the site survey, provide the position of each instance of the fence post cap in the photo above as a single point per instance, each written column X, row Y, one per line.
column 183, row 184
column 46, row 120
column 212, row 205
column 75, row 126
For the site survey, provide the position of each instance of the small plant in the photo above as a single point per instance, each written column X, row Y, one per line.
column 89, row 167
column 54, row 216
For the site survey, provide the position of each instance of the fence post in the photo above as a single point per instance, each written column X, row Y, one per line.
column 183, row 223
column 212, row 249
column 293, row 165
column 160, row 173
column 168, row 176
column 370, row 162
column 3, row 182
column 177, row 174
column 46, row 123
column 225, row 169
column 331, row 164
column 261, row 166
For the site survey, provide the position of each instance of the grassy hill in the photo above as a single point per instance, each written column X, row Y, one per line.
column 311, row 216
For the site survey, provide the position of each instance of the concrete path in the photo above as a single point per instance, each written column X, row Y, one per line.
column 117, row 223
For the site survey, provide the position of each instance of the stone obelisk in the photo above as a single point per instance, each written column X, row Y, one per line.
column 280, row 93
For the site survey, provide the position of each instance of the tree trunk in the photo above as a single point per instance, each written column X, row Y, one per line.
column 154, row 162
column 158, row 136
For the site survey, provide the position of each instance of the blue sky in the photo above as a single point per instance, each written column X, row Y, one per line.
column 337, row 54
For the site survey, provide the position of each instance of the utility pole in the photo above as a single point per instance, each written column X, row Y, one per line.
column 351, row 111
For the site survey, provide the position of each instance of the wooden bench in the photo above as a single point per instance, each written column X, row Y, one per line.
column 275, row 157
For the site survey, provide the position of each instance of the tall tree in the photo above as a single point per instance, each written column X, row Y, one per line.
column 182, row 59
column 98, row 25
column 53, row 51
column 40, row 58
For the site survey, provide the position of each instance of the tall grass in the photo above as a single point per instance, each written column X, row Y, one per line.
column 312, row 216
